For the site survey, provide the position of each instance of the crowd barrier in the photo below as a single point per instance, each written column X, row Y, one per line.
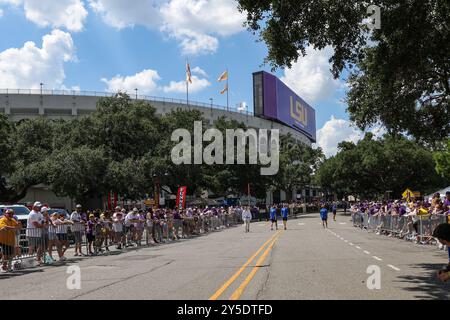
column 413, row 228
column 45, row 244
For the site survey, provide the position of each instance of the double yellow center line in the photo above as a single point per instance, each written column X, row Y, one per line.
column 238, row 292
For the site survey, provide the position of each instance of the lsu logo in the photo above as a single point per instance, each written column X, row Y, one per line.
column 299, row 112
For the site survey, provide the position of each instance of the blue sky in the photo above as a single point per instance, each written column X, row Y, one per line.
column 107, row 45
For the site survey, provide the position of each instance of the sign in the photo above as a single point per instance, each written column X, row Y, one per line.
column 408, row 194
column 181, row 198
column 112, row 200
column 276, row 101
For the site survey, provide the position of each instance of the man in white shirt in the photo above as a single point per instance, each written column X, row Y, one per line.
column 131, row 218
column 117, row 224
column 77, row 229
column 35, row 224
column 247, row 217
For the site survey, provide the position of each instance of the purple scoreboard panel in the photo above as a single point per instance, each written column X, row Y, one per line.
column 275, row 101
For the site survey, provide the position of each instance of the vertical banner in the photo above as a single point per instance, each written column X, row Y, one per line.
column 181, row 198
column 112, row 200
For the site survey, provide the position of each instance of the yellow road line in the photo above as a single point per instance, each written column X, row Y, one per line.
column 219, row 292
column 237, row 294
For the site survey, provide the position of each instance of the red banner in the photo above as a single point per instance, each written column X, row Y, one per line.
column 181, row 198
column 112, row 200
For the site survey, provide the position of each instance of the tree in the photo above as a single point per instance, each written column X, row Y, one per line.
column 372, row 167
column 78, row 172
column 399, row 73
column 442, row 159
column 298, row 163
column 28, row 157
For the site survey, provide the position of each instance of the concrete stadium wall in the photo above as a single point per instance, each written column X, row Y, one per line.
column 23, row 106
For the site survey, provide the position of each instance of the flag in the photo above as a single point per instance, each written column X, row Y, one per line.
column 224, row 90
column 223, row 77
column 188, row 73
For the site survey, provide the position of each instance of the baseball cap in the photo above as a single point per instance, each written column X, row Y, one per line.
column 79, row 206
column 44, row 209
column 37, row 204
column 135, row 210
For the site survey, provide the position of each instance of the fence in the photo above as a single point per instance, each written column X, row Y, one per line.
column 413, row 228
column 33, row 244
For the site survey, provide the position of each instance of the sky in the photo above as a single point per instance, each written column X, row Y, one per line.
column 112, row 45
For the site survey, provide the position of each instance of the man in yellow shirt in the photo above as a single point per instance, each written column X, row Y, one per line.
column 8, row 227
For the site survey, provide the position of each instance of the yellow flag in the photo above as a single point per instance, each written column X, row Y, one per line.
column 223, row 77
column 224, row 90
column 188, row 73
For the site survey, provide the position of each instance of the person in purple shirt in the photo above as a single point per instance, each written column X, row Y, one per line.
column 447, row 201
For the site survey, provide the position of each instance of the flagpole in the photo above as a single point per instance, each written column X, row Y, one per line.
column 228, row 91
column 187, row 86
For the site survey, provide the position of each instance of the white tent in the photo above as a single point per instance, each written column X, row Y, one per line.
column 441, row 192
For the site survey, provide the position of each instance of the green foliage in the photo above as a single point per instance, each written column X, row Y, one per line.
column 399, row 73
column 372, row 167
column 442, row 159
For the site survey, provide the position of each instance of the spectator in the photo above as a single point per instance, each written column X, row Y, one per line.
column 130, row 220
column 62, row 226
column 117, row 223
column 8, row 227
column 35, row 224
column 90, row 233
column 53, row 240
column 442, row 233
column 78, row 229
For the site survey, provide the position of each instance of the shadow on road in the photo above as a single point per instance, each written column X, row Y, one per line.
column 427, row 286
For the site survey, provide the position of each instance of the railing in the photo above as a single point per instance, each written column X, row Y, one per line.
column 75, row 93
column 37, row 245
column 418, row 229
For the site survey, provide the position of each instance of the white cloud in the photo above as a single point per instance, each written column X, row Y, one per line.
column 310, row 76
column 1, row 13
column 197, row 23
column 180, row 87
column 69, row 14
column 145, row 82
column 28, row 66
column 122, row 14
column 200, row 71
column 336, row 131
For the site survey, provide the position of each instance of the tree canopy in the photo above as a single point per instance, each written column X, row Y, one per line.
column 372, row 167
column 398, row 74
column 125, row 148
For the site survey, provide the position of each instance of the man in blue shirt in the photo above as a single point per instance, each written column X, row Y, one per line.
column 324, row 216
column 334, row 208
column 273, row 217
column 284, row 215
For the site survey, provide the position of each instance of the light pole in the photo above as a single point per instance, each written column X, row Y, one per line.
column 136, row 93
column 42, row 85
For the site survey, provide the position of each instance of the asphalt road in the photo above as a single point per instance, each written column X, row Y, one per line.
column 303, row 262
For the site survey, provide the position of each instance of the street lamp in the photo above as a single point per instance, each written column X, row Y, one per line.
column 41, row 84
column 136, row 93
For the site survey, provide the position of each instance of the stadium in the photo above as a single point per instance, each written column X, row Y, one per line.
column 275, row 107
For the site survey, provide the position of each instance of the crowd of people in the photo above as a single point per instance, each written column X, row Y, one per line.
column 405, row 219
column 425, row 222
column 95, row 232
